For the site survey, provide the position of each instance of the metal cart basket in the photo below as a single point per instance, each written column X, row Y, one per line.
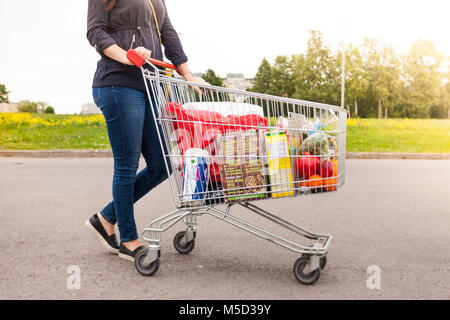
column 227, row 148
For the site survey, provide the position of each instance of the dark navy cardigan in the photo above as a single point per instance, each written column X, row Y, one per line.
column 130, row 24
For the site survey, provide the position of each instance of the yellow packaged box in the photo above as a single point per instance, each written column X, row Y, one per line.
column 280, row 171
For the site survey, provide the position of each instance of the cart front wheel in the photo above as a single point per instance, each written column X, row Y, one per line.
column 149, row 270
column 302, row 277
column 181, row 246
column 323, row 260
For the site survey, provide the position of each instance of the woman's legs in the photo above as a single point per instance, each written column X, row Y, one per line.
column 149, row 177
column 124, row 111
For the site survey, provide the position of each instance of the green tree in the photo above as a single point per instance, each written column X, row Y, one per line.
column 263, row 78
column 42, row 105
column 446, row 94
column 423, row 79
column 382, row 71
column 4, row 94
column 447, row 97
column 356, row 83
column 379, row 82
column 316, row 73
column 212, row 78
column 49, row 109
column 28, row 106
column 282, row 77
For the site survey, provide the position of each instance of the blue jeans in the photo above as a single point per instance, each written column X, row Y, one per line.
column 131, row 130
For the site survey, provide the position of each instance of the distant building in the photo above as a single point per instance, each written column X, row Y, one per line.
column 90, row 108
column 237, row 81
column 9, row 107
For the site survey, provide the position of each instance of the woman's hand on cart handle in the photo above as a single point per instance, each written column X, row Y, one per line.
column 183, row 70
column 117, row 53
column 139, row 55
column 189, row 77
column 147, row 54
column 138, row 59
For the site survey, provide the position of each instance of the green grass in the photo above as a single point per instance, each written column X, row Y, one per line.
column 68, row 137
column 398, row 135
column 363, row 135
column 80, row 133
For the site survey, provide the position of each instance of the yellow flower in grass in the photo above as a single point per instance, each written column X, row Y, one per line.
column 352, row 122
column 26, row 119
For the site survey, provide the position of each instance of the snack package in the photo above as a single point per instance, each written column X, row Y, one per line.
column 240, row 165
column 253, row 166
column 280, row 171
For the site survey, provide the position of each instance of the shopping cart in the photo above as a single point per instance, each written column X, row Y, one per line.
column 227, row 148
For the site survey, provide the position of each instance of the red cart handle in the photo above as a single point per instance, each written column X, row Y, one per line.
column 139, row 60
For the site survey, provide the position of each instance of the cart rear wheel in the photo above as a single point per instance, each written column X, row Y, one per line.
column 303, row 278
column 149, row 270
column 183, row 248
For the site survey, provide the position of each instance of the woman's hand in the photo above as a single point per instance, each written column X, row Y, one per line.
column 190, row 78
column 183, row 69
column 147, row 54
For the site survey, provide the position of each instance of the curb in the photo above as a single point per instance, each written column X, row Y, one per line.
column 56, row 153
column 398, row 156
column 108, row 154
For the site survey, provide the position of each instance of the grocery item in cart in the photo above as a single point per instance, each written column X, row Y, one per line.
column 226, row 108
column 253, row 166
column 295, row 124
column 197, row 124
column 280, row 171
column 195, row 176
column 332, row 147
column 295, row 134
column 240, row 166
column 307, row 166
column 282, row 123
column 316, row 144
column 215, row 193
column 215, row 117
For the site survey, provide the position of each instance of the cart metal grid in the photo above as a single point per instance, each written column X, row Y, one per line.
column 242, row 147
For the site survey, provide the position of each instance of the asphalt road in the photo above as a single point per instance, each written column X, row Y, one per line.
column 394, row 214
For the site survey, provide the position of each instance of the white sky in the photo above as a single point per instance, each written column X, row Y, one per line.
column 44, row 54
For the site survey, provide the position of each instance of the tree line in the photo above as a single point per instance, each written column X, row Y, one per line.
column 26, row 105
column 379, row 82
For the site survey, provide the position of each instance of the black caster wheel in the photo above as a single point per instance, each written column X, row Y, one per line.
column 183, row 248
column 307, row 279
column 149, row 270
column 323, row 262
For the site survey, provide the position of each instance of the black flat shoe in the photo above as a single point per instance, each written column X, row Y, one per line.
column 127, row 254
column 110, row 242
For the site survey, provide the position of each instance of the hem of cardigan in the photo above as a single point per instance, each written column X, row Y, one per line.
column 116, row 84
